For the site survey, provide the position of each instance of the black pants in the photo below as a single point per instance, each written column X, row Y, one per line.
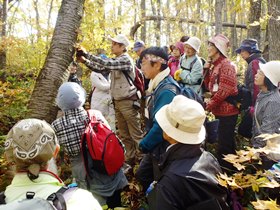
column 226, row 140
column 114, row 200
column 148, row 170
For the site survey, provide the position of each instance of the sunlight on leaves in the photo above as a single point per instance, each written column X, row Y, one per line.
column 261, row 204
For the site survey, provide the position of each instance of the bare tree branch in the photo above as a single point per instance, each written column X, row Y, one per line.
column 157, row 18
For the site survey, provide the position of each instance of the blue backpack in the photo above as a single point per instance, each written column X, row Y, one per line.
column 180, row 90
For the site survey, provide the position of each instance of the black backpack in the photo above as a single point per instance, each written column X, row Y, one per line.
column 242, row 100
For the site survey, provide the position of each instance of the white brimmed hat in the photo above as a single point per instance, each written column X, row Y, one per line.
column 183, row 120
column 194, row 42
column 120, row 38
column 221, row 42
column 271, row 70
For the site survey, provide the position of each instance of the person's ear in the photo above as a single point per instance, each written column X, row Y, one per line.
column 158, row 65
column 57, row 148
column 123, row 47
column 168, row 138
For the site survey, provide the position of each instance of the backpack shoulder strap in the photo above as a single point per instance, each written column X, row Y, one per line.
column 58, row 199
column 191, row 65
column 91, row 115
column 128, row 78
column 261, row 59
column 168, row 84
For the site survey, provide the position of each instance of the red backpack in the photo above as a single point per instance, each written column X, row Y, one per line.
column 138, row 82
column 102, row 150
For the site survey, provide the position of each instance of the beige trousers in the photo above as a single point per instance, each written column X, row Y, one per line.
column 129, row 126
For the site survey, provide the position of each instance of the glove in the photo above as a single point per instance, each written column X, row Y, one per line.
column 177, row 74
column 80, row 51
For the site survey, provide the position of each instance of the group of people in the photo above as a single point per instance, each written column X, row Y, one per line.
column 175, row 171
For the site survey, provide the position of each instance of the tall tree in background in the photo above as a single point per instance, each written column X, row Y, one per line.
column 3, row 51
column 143, row 14
column 273, row 29
column 158, row 23
column 101, row 11
column 254, row 30
column 38, row 27
column 233, row 29
column 54, row 72
column 48, row 22
column 218, row 16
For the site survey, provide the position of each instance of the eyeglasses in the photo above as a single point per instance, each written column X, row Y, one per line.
column 210, row 44
column 260, row 72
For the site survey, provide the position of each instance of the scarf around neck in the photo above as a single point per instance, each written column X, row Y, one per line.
column 158, row 78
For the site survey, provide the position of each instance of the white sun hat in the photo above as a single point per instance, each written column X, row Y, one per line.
column 183, row 120
column 194, row 42
column 271, row 70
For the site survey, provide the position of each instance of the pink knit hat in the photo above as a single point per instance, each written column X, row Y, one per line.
column 221, row 42
column 180, row 46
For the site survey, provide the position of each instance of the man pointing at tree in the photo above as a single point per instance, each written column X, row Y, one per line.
column 123, row 93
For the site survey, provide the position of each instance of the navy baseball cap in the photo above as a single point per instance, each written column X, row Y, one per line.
column 138, row 45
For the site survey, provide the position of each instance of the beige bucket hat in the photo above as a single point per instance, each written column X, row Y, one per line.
column 183, row 120
column 30, row 141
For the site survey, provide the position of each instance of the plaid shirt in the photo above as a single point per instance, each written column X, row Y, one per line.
column 120, row 63
column 121, row 88
column 70, row 128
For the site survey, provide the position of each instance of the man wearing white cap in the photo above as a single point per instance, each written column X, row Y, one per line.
column 127, row 106
column 188, row 173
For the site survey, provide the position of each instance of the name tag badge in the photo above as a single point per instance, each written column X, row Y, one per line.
column 215, row 87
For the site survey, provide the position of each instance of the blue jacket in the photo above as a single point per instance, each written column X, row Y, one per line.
column 162, row 95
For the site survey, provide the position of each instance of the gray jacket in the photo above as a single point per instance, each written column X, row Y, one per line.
column 267, row 116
